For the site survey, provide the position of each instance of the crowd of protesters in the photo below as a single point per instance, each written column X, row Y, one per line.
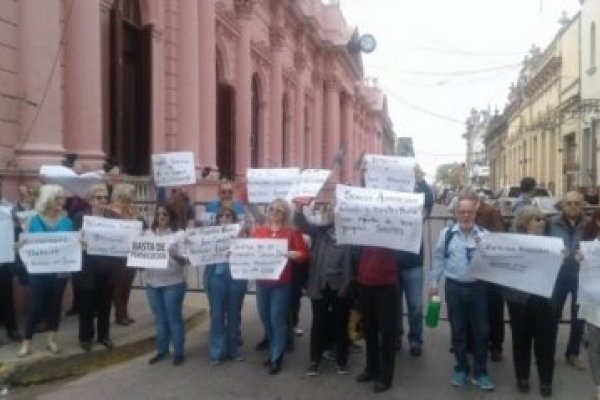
column 338, row 279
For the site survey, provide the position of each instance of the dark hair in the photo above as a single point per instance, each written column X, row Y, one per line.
column 224, row 209
column 527, row 184
column 590, row 229
column 170, row 212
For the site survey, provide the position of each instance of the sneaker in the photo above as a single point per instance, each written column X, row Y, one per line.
column 459, row 379
column 313, row 369
column 575, row 362
column 298, row 331
column 329, row 355
column 342, row 370
column 416, row 351
column 483, row 382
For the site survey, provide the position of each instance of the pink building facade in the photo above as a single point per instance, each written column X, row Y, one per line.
column 241, row 83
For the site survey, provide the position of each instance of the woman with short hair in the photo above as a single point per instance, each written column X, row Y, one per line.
column 531, row 318
column 273, row 296
column 46, row 289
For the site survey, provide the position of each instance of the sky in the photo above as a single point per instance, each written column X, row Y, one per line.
column 438, row 59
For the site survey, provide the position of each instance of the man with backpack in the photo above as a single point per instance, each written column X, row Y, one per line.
column 466, row 298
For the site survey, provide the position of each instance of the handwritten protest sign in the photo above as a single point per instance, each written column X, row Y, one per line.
column 210, row 244
column 73, row 183
column 174, row 169
column 7, row 235
column 589, row 274
column 390, row 173
column 309, row 183
column 150, row 251
column 528, row 263
column 258, row 258
column 109, row 237
column 382, row 218
column 51, row 252
column 265, row 185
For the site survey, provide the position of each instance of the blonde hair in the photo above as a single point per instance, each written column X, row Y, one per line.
column 123, row 190
column 48, row 193
column 524, row 217
column 287, row 211
column 92, row 190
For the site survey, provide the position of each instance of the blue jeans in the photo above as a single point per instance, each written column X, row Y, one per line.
column 166, row 303
column 467, row 304
column 412, row 285
column 565, row 284
column 273, row 307
column 225, row 299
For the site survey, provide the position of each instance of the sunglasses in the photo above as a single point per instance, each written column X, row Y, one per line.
column 572, row 203
column 100, row 197
column 540, row 219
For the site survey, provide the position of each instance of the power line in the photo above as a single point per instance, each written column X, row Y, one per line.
column 423, row 110
column 461, row 73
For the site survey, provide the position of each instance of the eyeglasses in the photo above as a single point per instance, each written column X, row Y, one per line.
column 275, row 209
column 540, row 219
column 225, row 216
column 573, row 203
column 101, row 197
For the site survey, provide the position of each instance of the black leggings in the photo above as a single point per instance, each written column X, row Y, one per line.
column 46, row 302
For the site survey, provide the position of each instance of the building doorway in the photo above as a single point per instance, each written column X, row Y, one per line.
column 226, row 130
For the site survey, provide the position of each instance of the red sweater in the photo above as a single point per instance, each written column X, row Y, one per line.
column 295, row 243
column 377, row 266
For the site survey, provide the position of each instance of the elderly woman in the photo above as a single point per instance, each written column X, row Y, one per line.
column 225, row 298
column 591, row 313
column 96, row 277
column 165, row 290
column 46, row 289
column 531, row 319
column 273, row 296
column 122, row 205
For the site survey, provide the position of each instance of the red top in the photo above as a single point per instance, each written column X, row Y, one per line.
column 377, row 266
column 295, row 243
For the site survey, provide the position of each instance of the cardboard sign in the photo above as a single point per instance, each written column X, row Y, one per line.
column 174, row 169
column 390, row 173
column 589, row 274
column 309, row 184
column 51, row 252
column 109, row 237
column 265, row 185
column 258, row 258
column 7, row 235
column 150, row 251
column 528, row 263
column 381, row 218
column 72, row 183
column 211, row 244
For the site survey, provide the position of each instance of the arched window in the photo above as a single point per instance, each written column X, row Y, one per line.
column 593, row 45
column 255, row 124
column 226, row 146
column 129, row 46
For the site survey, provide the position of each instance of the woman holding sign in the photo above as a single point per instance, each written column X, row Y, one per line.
column 46, row 289
column 273, row 296
column 531, row 319
column 96, row 277
column 165, row 291
column 225, row 297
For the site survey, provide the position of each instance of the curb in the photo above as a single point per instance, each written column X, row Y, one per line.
column 47, row 368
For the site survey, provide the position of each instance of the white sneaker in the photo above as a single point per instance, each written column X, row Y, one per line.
column 298, row 331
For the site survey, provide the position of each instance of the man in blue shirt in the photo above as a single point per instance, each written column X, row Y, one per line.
column 225, row 199
column 465, row 296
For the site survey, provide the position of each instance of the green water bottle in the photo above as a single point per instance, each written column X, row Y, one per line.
column 433, row 312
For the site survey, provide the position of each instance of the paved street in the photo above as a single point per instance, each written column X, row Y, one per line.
column 426, row 377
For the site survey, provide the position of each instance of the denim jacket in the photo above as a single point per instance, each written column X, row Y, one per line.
column 571, row 236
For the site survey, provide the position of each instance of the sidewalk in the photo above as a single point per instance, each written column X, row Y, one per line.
column 130, row 342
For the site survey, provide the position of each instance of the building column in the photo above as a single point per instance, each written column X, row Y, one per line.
column 276, row 116
column 207, row 80
column 299, row 137
column 188, row 64
column 243, row 89
column 40, row 135
column 332, row 121
column 83, row 90
column 316, row 156
column 349, row 144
